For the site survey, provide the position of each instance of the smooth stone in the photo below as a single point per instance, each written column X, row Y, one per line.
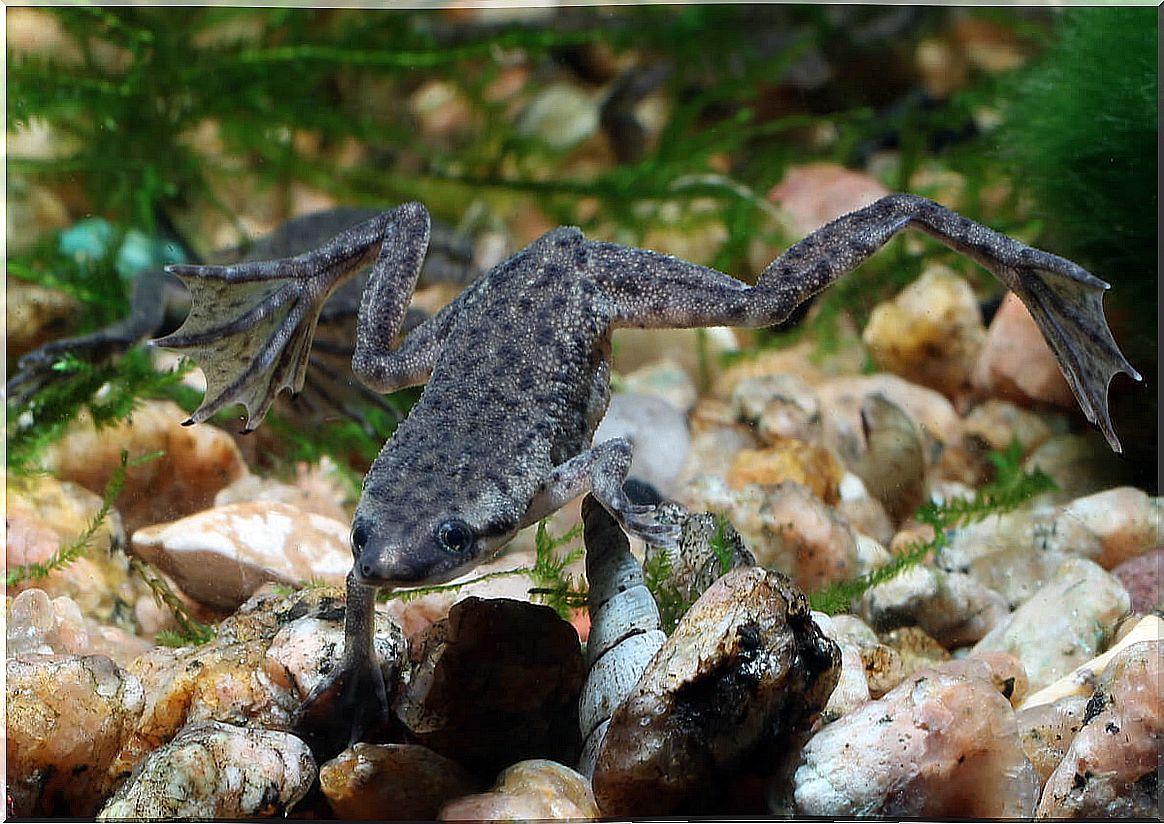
column 38, row 623
column 531, row 790
column 778, row 406
column 806, row 464
column 521, row 663
column 812, row 194
column 930, row 333
column 216, row 770
column 1141, row 577
column 1063, row 624
column 221, row 556
column 392, row 782
column 196, row 462
column 1016, row 363
column 658, row 431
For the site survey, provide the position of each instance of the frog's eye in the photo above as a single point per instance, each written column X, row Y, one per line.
column 359, row 537
column 455, row 536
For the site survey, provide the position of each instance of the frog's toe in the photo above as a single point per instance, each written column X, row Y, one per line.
column 641, row 521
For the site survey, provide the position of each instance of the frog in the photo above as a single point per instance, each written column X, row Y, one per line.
column 516, row 372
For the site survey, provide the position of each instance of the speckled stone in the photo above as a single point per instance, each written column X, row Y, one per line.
column 809, row 465
column 1063, row 624
column 943, row 743
column 219, row 557
column 1110, row 770
column 216, row 770
column 930, row 333
column 66, row 718
column 745, row 662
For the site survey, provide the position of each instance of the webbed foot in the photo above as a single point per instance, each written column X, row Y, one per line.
column 354, row 692
column 249, row 328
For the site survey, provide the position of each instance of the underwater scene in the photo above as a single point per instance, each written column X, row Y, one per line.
column 588, row 412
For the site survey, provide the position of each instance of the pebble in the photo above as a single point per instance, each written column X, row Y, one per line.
column 864, row 513
column 930, row 334
column 1110, row 770
column 66, row 718
column 522, row 665
column 931, row 413
column 256, row 671
column 197, row 462
column 953, row 607
column 561, row 115
column 36, row 315
column 1126, row 522
column 778, row 406
column 1141, row 577
column 786, row 526
column 1082, row 680
column 806, row 464
column 317, row 489
column 216, row 770
column 1016, row 363
column 392, row 782
column 942, row 743
column 43, row 514
column 746, row 661
column 1016, row 553
column 666, row 379
column 813, row 194
column 530, row 790
column 1047, row 730
column 1078, row 464
column 1063, row 624
column 996, row 424
column 221, row 556
column 37, row 623
column 658, row 431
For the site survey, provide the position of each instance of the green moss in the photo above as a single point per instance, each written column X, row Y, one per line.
column 1081, row 134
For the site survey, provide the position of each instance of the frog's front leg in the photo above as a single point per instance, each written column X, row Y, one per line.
column 344, row 694
column 601, row 470
column 652, row 290
column 250, row 325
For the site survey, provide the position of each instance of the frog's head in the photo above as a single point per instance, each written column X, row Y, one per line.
column 397, row 545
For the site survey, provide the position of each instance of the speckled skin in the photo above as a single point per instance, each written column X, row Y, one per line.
column 518, row 370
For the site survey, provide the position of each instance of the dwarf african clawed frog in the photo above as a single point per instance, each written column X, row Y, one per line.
column 518, row 369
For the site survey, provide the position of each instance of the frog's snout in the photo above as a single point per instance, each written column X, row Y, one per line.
column 372, row 568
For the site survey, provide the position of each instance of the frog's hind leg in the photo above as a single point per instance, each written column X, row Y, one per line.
column 651, row 290
column 250, row 325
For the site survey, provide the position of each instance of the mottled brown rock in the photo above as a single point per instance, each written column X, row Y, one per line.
column 67, row 717
column 528, row 791
column 496, row 681
column 392, row 782
column 745, row 662
column 257, row 670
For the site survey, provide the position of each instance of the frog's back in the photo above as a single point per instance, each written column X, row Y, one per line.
column 513, row 386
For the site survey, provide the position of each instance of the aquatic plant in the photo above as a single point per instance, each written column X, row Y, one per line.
column 191, row 631
column 69, row 552
column 1010, row 489
column 672, row 599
